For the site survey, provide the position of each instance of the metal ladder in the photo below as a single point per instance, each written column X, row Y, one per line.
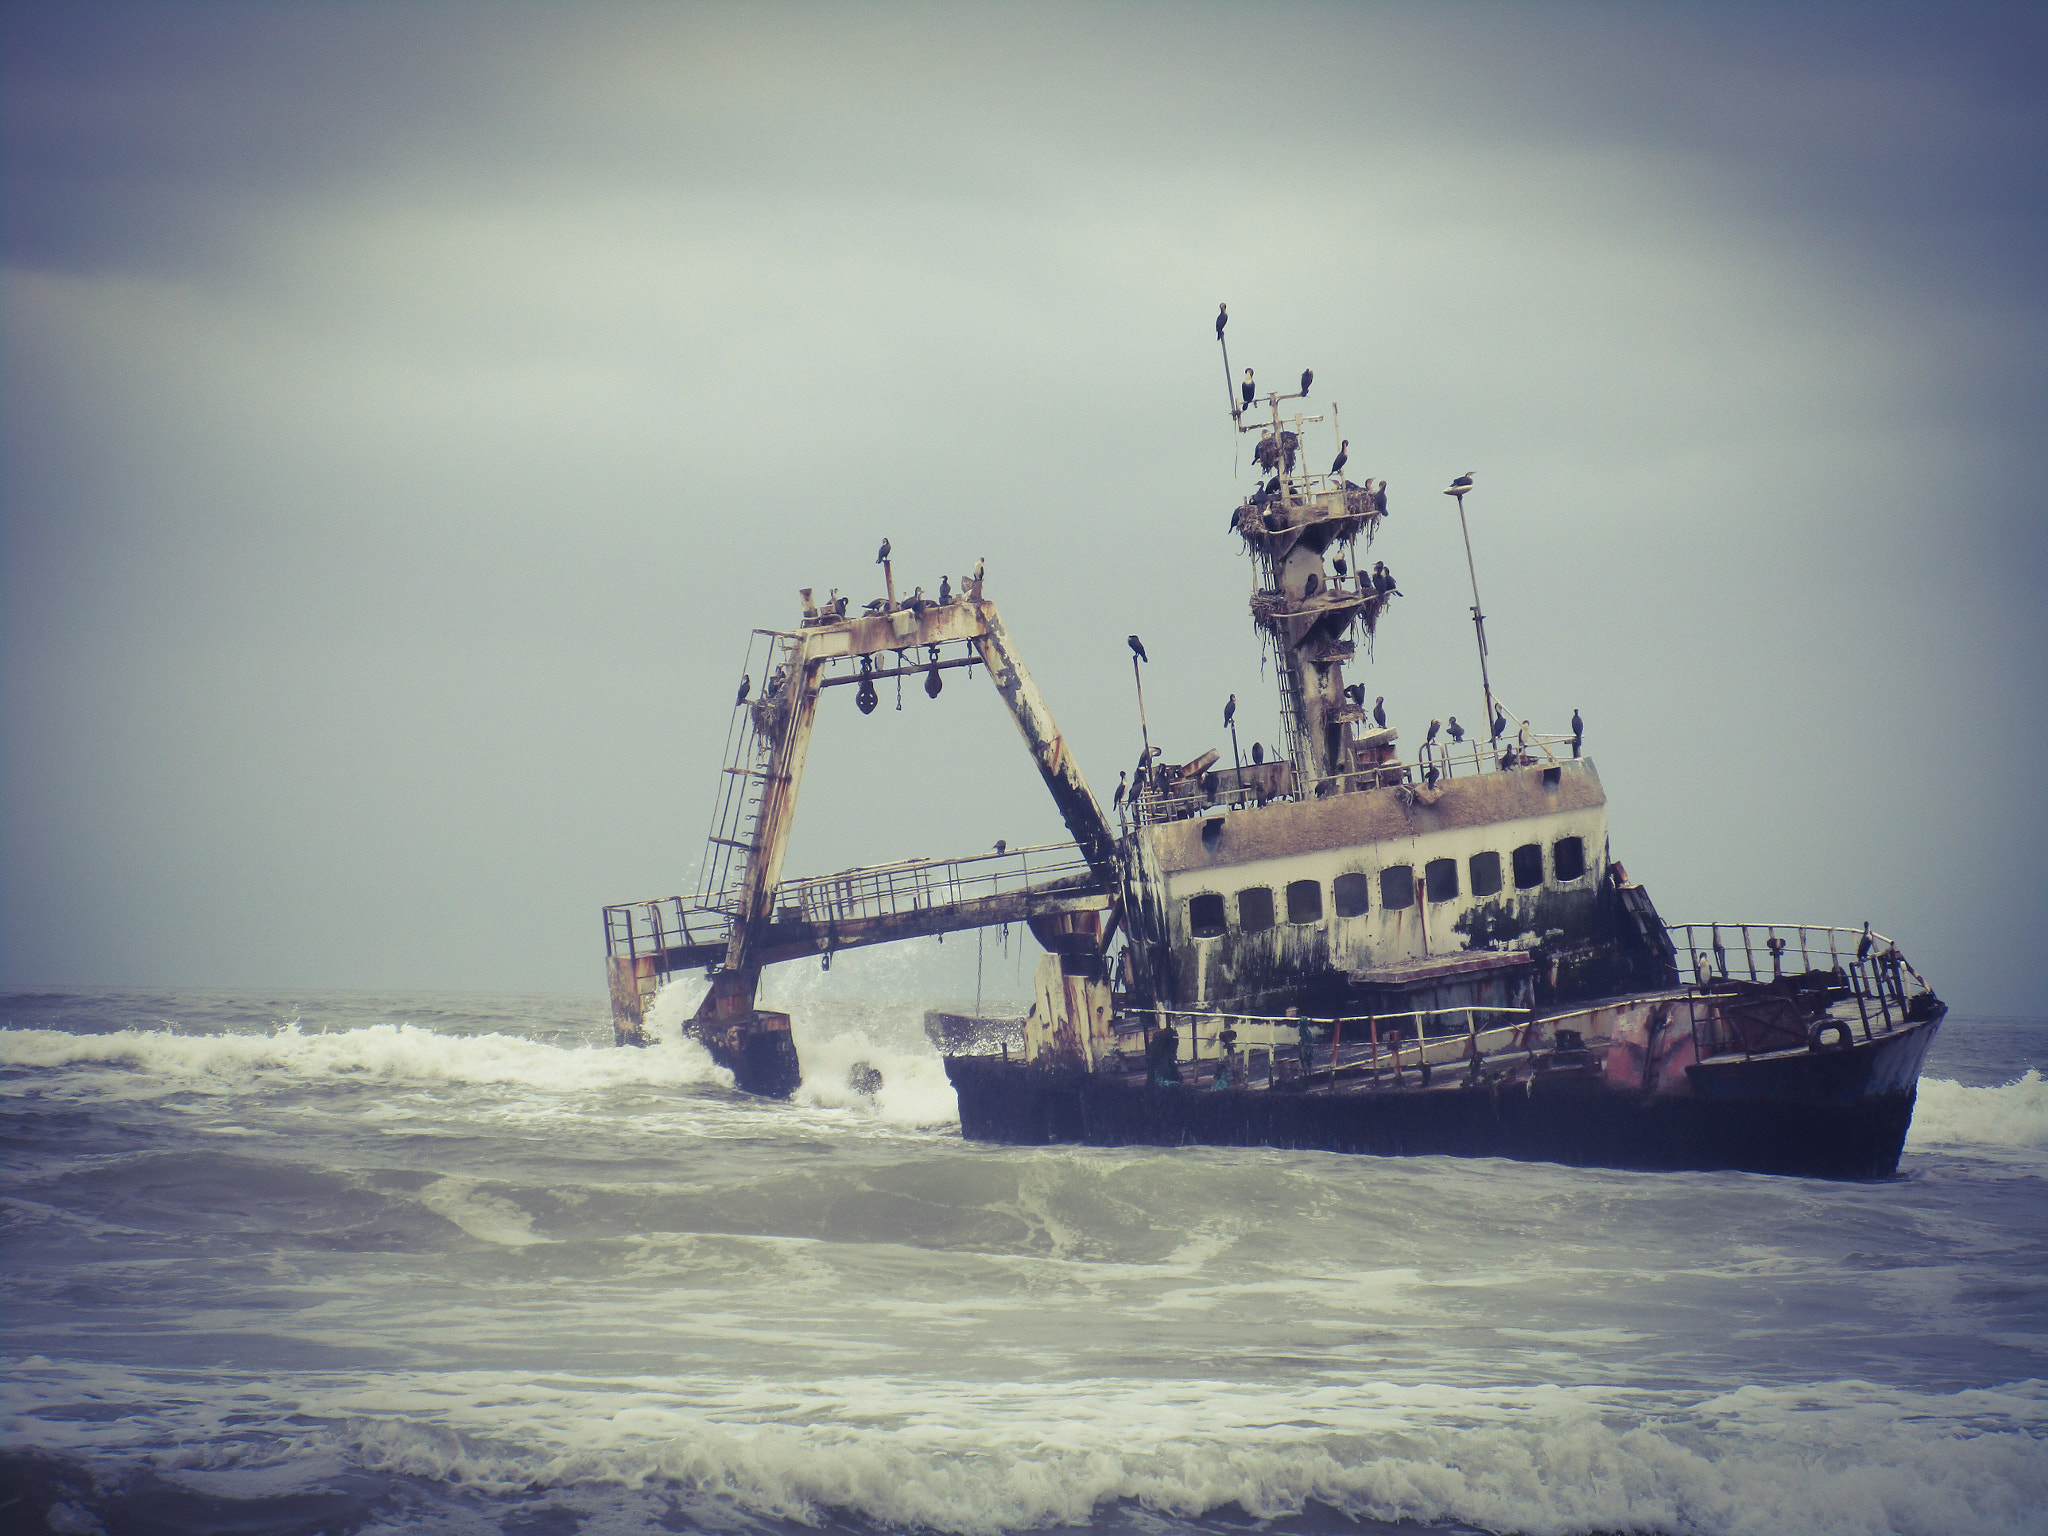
column 743, row 779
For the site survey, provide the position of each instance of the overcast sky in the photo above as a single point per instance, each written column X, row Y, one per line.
column 410, row 409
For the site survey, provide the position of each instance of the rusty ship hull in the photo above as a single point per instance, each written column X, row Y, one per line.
column 1837, row 1114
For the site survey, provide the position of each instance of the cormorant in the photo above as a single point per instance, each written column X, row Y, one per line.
column 1312, row 587
column 1578, row 732
column 917, row 603
column 1343, row 458
column 1001, row 846
column 1337, row 564
column 977, row 569
column 1379, row 710
column 1379, row 499
column 1463, row 482
column 1229, row 711
column 1867, row 943
column 877, row 605
column 1434, row 727
column 839, row 608
column 1429, row 777
column 1457, row 730
column 1137, row 648
column 1258, row 754
column 945, row 590
column 1222, row 319
column 883, row 553
column 1117, row 799
column 1500, row 722
column 746, row 687
column 1308, row 377
column 1355, row 692
column 1248, row 387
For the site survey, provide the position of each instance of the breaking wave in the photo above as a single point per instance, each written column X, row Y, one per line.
column 2014, row 1115
column 389, row 1052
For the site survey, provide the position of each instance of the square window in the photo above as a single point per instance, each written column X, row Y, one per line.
column 1440, row 879
column 1304, row 901
column 1350, row 891
column 1528, row 866
column 1255, row 909
column 1485, row 873
column 1397, row 888
column 1205, row 916
column 1568, row 857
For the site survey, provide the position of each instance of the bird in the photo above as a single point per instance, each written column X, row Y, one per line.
column 1248, row 387
column 1457, row 731
column 1229, row 711
column 1379, row 710
column 1430, row 777
column 945, row 590
column 1355, row 692
column 1462, row 483
column 1500, row 722
column 1137, row 648
column 1222, row 319
column 977, row 570
column 1343, row 457
column 883, row 553
column 1379, row 499
column 917, row 603
column 1272, row 487
column 1002, row 846
column 1122, row 780
column 877, row 605
column 1312, row 587
column 839, row 608
column 1258, row 754
column 1867, row 943
column 1434, row 727
column 1308, row 377
column 1337, row 563
column 746, row 687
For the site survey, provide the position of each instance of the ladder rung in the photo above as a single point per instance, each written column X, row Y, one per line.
column 757, row 773
column 731, row 844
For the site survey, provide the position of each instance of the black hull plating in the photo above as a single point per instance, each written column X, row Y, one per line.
column 1839, row 1114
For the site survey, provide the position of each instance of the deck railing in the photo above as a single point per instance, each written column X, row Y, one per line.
column 909, row 885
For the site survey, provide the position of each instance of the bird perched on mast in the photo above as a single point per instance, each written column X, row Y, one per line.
column 1343, row 457
column 883, row 553
column 1308, row 377
column 1578, row 732
column 1222, row 319
column 746, row 687
column 1462, row 483
column 1137, row 648
column 1249, row 388
column 1229, row 711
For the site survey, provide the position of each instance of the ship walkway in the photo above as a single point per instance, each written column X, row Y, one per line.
column 876, row 904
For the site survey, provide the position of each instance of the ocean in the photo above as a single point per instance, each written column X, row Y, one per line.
column 454, row 1263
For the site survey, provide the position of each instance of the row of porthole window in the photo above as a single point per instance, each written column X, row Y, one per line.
column 1256, row 913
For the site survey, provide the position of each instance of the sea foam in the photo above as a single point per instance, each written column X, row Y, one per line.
column 2014, row 1115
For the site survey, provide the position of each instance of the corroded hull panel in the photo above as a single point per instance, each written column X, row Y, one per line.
column 1824, row 1126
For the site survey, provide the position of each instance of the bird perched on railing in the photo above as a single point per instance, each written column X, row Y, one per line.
column 1500, row 722
column 1434, row 727
column 882, row 553
column 1137, row 647
column 1867, row 943
column 1337, row 564
column 1457, row 731
column 746, row 687
column 1222, row 319
column 1343, row 457
column 1001, row 846
column 1308, row 377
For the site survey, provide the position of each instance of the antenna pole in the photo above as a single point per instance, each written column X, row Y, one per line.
column 1478, row 618
column 1144, row 734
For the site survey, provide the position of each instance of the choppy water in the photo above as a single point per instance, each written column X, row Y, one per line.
column 431, row 1263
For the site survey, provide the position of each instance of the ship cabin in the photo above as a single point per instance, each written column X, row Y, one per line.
column 1334, row 878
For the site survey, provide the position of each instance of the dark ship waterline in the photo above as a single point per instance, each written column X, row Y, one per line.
column 1335, row 948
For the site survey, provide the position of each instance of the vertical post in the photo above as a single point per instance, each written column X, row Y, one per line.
column 1144, row 734
column 1478, row 618
column 889, row 578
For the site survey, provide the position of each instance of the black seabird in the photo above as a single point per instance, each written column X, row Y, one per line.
column 1500, row 722
column 1308, row 377
column 1434, row 727
column 977, row 569
column 1137, row 648
column 746, row 687
column 945, row 590
column 1867, row 943
column 1258, row 754
column 1313, row 586
column 1457, row 731
column 1337, row 564
column 1462, row 483
column 1001, row 846
column 1117, row 799
column 1249, row 387
column 877, row 605
column 1229, row 711
column 883, row 553
column 1343, row 457
column 1222, row 319
column 1379, row 710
